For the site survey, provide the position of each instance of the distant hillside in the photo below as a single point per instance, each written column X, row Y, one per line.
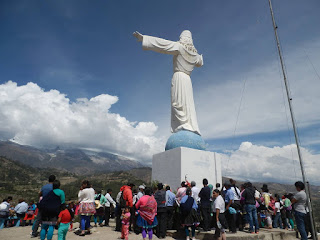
column 19, row 180
column 73, row 160
column 142, row 173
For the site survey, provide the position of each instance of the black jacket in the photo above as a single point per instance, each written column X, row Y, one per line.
column 160, row 197
column 248, row 196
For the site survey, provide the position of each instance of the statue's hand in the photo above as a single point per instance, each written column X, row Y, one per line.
column 138, row 36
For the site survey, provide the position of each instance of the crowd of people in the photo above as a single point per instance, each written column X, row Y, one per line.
column 149, row 211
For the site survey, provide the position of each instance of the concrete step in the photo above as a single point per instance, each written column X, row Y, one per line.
column 265, row 234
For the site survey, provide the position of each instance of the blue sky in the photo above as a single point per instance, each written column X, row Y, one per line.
column 85, row 48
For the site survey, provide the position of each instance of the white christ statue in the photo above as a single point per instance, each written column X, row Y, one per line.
column 185, row 58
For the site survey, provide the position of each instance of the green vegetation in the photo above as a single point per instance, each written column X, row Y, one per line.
column 25, row 182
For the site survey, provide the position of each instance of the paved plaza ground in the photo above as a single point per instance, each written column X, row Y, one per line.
column 17, row 233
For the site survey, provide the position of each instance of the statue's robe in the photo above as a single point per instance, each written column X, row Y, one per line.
column 183, row 113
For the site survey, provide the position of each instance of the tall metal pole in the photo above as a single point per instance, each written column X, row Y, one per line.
column 293, row 122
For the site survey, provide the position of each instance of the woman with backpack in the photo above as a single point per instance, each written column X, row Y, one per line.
column 189, row 215
column 50, row 209
column 147, row 211
column 87, row 206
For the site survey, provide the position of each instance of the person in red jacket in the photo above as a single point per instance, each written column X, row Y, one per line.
column 127, row 194
column 128, row 197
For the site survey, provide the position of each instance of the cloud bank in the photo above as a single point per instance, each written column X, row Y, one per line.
column 30, row 115
column 270, row 164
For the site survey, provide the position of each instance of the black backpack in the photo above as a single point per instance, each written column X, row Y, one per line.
column 186, row 207
column 49, row 206
column 122, row 202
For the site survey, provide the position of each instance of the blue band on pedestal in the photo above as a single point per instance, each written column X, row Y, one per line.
column 186, row 139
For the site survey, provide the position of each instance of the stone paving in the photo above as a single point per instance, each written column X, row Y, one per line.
column 109, row 233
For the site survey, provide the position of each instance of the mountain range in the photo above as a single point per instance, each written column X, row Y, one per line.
column 73, row 160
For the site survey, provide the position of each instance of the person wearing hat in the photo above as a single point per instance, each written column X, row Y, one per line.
column 160, row 196
column 141, row 192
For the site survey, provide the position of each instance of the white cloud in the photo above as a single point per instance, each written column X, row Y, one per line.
column 32, row 116
column 273, row 164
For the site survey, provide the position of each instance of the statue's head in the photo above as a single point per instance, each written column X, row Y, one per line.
column 186, row 37
column 186, row 41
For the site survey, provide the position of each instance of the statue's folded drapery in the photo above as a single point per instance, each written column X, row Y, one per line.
column 183, row 113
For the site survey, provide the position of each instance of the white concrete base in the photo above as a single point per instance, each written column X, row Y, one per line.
column 171, row 167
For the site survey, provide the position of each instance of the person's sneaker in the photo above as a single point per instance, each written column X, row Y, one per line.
column 257, row 232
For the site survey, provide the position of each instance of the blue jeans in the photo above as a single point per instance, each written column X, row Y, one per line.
column 193, row 230
column 277, row 219
column 301, row 224
column 85, row 222
column 252, row 217
column 95, row 219
column 20, row 218
column 46, row 230
column 2, row 222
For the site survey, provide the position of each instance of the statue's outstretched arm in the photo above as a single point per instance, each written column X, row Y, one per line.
column 157, row 44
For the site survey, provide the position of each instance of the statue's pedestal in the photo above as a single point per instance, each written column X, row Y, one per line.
column 172, row 166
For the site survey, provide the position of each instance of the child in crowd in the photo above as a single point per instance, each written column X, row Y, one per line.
column 71, row 208
column 125, row 223
column 64, row 219
column 30, row 213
